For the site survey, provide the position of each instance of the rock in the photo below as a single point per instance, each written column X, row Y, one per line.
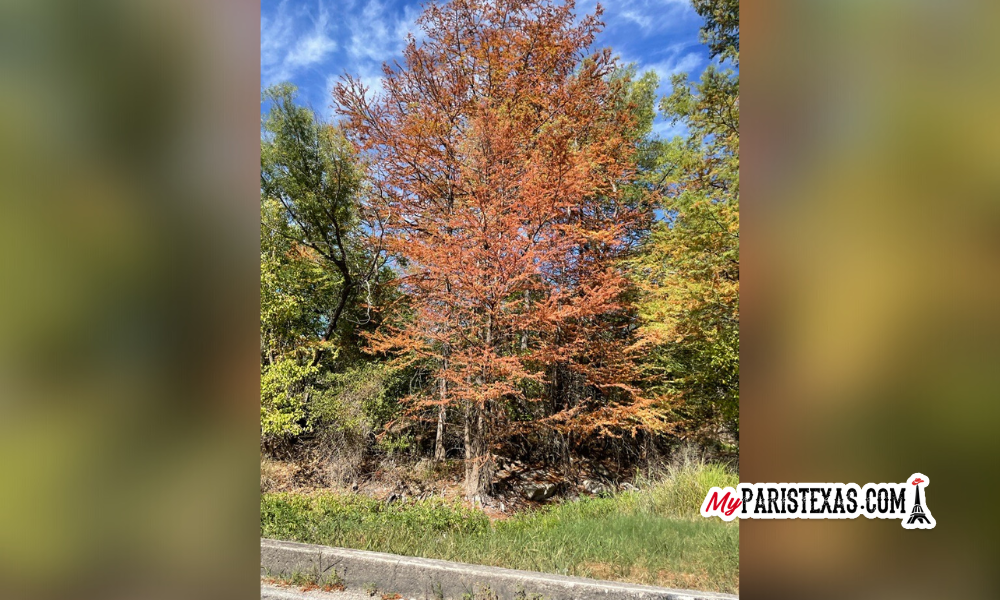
column 602, row 471
column 595, row 487
column 536, row 492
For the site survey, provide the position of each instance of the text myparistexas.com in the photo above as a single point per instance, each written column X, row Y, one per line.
column 904, row 501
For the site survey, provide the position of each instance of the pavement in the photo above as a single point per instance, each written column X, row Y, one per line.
column 273, row 592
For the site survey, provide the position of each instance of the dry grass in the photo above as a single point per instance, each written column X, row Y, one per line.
column 276, row 476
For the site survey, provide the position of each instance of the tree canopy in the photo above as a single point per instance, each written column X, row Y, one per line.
column 495, row 255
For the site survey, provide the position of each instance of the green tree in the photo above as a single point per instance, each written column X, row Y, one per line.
column 689, row 270
column 287, row 281
column 722, row 27
column 320, row 261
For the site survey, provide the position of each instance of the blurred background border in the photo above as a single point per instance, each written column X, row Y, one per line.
column 129, row 298
column 129, row 139
column 870, row 325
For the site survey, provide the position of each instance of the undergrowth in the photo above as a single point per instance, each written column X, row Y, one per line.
column 654, row 535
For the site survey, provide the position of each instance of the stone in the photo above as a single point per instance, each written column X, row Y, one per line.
column 536, row 492
column 595, row 487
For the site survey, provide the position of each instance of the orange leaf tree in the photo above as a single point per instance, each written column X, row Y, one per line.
column 498, row 150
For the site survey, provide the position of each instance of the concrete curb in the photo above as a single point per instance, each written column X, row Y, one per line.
column 438, row 579
column 273, row 592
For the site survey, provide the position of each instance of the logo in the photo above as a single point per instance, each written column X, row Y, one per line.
column 904, row 501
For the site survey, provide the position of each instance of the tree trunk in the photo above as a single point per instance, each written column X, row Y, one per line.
column 439, row 453
column 478, row 457
column 478, row 460
column 467, row 432
column 527, row 309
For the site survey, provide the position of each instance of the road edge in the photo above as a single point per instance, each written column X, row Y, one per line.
column 439, row 579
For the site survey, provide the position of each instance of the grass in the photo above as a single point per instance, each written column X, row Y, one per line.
column 654, row 535
column 330, row 582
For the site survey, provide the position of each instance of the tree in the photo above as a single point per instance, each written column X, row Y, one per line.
column 689, row 271
column 499, row 151
column 722, row 27
column 317, row 258
column 289, row 283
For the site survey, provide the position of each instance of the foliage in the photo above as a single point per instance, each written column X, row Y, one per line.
column 499, row 156
column 689, row 272
column 498, row 243
column 361, row 398
column 318, row 267
column 282, row 407
column 309, row 179
column 722, row 27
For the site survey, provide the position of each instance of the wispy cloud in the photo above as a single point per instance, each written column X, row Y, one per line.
column 649, row 15
column 312, row 48
column 286, row 49
column 276, row 33
column 665, row 69
column 377, row 35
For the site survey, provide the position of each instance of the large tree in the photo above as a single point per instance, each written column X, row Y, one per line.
column 689, row 271
column 499, row 150
column 317, row 259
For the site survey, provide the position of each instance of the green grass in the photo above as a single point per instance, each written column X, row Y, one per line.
column 653, row 536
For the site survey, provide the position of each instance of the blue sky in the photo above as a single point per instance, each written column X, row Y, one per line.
column 311, row 43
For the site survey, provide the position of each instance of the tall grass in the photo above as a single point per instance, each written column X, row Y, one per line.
column 654, row 535
column 679, row 488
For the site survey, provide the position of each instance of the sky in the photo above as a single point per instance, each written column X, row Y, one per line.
column 311, row 43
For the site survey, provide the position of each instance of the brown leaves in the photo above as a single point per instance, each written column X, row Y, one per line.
column 497, row 150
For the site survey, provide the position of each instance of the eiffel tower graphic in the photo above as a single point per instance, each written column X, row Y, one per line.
column 917, row 514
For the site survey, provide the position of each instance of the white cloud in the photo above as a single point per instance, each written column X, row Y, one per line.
column 378, row 36
column 284, row 51
column 666, row 69
column 369, row 33
column 276, row 32
column 649, row 15
column 642, row 20
column 315, row 46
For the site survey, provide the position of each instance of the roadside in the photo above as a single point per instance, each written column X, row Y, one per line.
column 274, row 591
column 394, row 577
column 651, row 535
